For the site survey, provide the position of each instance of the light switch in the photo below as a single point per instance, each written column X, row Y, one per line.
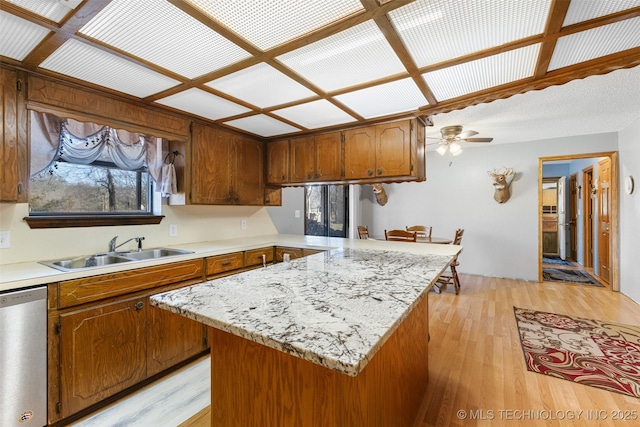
column 5, row 239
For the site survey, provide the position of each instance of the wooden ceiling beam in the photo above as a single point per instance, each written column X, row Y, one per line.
column 556, row 17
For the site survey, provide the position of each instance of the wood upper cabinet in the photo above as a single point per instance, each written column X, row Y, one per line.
column 387, row 150
column 12, row 128
column 278, row 162
column 226, row 169
column 316, row 158
column 103, row 351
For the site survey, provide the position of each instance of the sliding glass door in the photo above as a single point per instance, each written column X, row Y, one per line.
column 326, row 210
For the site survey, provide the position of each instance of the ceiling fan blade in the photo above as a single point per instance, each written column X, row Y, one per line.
column 467, row 133
column 478, row 140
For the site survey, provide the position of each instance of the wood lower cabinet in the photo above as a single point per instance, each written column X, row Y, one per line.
column 104, row 337
column 171, row 339
column 103, row 351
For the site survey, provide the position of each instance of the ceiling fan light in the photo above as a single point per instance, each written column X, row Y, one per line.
column 455, row 148
column 442, row 149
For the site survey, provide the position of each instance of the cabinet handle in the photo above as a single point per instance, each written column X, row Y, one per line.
column 379, row 171
column 139, row 305
column 237, row 199
column 369, row 172
column 283, row 177
column 317, row 175
column 226, row 264
column 308, row 176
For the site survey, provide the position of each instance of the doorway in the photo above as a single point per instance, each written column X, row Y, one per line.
column 587, row 247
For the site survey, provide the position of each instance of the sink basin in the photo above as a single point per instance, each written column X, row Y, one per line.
column 101, row 260
column 155, row 253
column 86, row 262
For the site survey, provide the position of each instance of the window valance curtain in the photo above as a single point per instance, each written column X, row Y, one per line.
column 56, row 139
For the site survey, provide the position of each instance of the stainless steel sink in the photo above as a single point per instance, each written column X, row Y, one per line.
column 101, row 260
column 155, row 253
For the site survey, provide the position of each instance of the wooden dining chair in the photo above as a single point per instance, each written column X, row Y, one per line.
column 400, row 235
column 420, row 230
column 363, row 232
column 452, row 277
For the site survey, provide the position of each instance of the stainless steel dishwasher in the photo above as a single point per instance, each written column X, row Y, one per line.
column 23, row 357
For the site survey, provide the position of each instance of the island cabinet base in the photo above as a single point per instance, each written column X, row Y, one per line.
column 254, row 385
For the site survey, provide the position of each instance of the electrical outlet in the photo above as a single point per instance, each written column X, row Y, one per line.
column 173, row 230
column 243, row 224
column 5, row 239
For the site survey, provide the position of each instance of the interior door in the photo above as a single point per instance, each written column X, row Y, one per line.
column 573, row 216
column 562, row 217
column 550, row 217
column 604, row 218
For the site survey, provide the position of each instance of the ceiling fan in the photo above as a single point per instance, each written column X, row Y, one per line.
column 451, row 138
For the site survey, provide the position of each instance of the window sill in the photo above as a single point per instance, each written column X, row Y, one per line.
column 90, row 220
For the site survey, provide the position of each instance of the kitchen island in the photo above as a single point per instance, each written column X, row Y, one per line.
column 333, row 339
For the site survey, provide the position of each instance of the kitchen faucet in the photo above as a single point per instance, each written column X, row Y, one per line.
column 113, row 247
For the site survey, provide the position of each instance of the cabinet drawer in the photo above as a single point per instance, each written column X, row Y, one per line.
column 221, row 263
column 307, row 252
column 293, row 253
column 88, row 289
column 254, row 256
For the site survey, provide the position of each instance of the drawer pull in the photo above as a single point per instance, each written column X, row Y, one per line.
column 139, row 305
column 226, row 264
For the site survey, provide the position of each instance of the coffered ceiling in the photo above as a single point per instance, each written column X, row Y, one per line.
column 272, row 68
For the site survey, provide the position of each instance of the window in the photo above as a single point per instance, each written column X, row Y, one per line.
column 97, row 188
column 326, row 210
column 82, row 170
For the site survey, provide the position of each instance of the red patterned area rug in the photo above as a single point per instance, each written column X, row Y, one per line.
column 591, row 352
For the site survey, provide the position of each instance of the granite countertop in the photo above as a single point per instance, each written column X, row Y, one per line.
column 31, row 273
column 335, row 308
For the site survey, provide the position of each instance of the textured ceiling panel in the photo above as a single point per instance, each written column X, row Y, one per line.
column 483, row 73
column 55, row 10
column 438, row 30
column 261, row 85
column 19, row 37
column 266, row 24
column 262, row 125
column 84, row 62
column 385, row 99
column 354, row 56
column 189, row 48
column 580, row 11
column 316, row 114
column 203, row 104
column 595, row 43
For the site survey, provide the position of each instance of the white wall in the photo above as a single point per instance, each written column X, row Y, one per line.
column 629, row 145
column 284, row 217
column 499, row 240
column 195, row 224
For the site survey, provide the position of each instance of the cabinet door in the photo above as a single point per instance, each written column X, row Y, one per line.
column 328, row 157
column 359, row 153
column 211, row 155
column 273, row 196
column 393, row 149
column 302, row 159
column 248, row 174
column 171, row 338
column 278, row 162
column 9, row 134
column 102, row 351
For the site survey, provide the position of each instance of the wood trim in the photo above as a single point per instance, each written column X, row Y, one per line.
column 37, row 222
column 614, row 248
column 55, row 95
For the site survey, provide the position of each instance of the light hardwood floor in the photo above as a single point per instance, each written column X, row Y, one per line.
column 476, row 362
